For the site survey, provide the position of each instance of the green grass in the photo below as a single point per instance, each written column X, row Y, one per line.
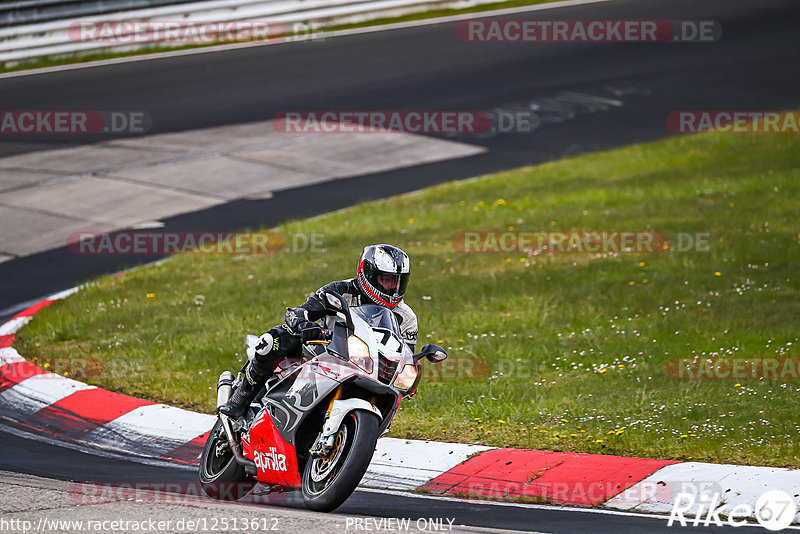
column 44, row 62
column 582, row 341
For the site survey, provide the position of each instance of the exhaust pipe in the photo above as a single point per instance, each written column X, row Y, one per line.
column 224, row 388
column 248, row 464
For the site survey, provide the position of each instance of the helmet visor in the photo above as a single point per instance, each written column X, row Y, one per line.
column 391, row 284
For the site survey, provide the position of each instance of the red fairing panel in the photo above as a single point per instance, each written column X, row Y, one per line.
column 275, row 458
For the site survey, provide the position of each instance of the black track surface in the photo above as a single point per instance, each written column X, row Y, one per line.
column 42, row 459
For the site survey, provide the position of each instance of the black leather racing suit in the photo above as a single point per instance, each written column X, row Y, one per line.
column 286, row 344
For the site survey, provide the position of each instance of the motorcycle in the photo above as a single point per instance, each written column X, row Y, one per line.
column 315, row 424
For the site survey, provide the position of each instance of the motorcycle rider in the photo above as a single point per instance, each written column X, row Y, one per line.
column 381, row 278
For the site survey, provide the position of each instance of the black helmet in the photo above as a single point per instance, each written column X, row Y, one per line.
column 383, row 272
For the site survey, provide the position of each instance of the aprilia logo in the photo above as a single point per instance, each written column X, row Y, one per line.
column 270, row 461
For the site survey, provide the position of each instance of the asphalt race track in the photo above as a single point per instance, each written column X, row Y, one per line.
column 754, row 66
column 52, row 461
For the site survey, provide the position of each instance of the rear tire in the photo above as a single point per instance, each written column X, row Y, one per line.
column 220, row 476
column 328, row 482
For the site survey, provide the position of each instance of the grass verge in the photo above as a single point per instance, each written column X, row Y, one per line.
column 575, row 347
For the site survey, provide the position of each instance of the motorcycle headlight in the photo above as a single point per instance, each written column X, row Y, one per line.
column 406, row 377
column 358, row 351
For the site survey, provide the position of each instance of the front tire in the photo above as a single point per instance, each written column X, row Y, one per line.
column 329, row 481
column 220, row 476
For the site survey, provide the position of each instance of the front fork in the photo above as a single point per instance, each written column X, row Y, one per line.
column 338, row 409
column 323, row 444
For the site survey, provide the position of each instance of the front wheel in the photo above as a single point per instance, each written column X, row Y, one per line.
column 328, row 481
column 220, row 476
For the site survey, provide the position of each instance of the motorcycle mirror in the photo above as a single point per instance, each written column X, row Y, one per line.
column 434, row 353
column 337, row 304
column 333, row 301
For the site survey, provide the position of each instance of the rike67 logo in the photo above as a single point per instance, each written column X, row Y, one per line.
column 774, row 510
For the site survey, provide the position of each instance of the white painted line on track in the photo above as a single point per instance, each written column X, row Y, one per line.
column 12, row 326
column 323, row 35
column 11, row 310
column 16, row 308
column 62, row 294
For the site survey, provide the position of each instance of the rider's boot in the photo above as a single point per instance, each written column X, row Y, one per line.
column 245, row 393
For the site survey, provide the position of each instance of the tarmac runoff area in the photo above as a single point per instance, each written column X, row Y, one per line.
column 47, row 196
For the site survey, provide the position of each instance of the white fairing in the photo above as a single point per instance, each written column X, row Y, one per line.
column 376, row 339
column 340, row 409
column 393, row 349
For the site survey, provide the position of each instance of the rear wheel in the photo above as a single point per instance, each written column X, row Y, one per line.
column 220, row 476
column 328, row 481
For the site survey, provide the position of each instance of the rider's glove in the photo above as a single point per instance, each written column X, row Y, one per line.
column 265, row 344
column 295, row 317
column 298, row 323
column 310, row 331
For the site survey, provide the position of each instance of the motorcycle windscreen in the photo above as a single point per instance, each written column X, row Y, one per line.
column 377, row 317
column 275, row 458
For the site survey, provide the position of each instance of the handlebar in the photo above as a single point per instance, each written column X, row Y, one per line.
column 327, row 335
